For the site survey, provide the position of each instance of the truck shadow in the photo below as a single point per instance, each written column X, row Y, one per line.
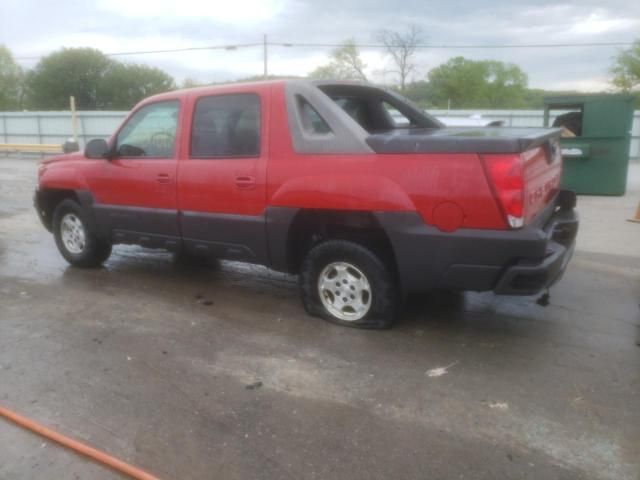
column 483, row 313
column 242, row 290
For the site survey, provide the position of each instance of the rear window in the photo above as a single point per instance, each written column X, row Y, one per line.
column 399, row 119
column 373, row 114
column 226, row 126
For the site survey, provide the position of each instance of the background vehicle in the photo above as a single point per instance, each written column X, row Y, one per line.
column 475, row 120
column 323, row 181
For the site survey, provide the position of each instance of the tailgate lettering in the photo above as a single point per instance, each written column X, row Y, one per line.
column 541, row 192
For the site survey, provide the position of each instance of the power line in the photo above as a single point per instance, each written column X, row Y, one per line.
column 216, row 47
column 171, row 50
column 334, row 45
column 453, row 46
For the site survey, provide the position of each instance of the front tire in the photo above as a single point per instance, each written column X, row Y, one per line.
column 348, row 284
column 75, row 240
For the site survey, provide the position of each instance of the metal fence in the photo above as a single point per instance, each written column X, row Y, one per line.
column 55, row 127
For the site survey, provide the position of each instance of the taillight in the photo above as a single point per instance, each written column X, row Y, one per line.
column 506, row 174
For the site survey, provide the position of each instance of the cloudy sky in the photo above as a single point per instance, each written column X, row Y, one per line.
column 32, row 28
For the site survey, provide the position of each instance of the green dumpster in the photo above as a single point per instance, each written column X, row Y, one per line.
column 596, row 135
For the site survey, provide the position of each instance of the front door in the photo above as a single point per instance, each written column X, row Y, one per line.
column 135, row 191
column 221, row 189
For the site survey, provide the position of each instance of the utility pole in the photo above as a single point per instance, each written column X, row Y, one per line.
column 264, row 47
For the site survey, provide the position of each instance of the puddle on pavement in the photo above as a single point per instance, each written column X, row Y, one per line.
column 28, row 252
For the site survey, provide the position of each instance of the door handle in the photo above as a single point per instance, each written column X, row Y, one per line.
column 163, row 178
column 245, row 182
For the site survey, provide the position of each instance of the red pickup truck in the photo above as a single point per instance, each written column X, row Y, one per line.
column 352, row 187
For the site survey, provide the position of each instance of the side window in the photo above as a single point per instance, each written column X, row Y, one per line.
column 226, row 126
column 150, row 132
column 312, row 122
column 397, row 118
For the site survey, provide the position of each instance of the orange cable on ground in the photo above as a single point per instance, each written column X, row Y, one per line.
column 76, row 446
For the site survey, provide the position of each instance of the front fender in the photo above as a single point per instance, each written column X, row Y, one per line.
column 61, row 177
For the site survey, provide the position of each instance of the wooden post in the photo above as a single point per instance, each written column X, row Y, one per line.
column 264, row 53
column 636, row 218
column 74, row 118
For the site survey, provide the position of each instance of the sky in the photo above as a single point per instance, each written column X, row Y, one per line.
column 33, row 28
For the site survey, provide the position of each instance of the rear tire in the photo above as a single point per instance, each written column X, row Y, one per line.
column 348, row 284
column 75, row 240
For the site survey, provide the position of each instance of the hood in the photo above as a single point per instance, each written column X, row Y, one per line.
column 63, row 158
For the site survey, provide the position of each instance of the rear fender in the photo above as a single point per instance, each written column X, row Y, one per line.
column 365, row 192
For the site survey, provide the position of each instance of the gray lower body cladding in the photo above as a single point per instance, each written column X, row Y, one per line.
column 509, row 262
column 513, row 262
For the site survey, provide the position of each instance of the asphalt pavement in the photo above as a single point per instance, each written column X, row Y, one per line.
column 195, row 371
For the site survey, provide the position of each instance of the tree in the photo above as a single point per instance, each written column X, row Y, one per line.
column 533, row 98
column 96, row 81
column 464, row 83
column 124, row 85
column 626, row 68
column 191, row 83
column 457, row 83
column 419, row 92
column 10, row 81
column 345, row 64
column 506, row 84
column 67, row 72
column 401, row 47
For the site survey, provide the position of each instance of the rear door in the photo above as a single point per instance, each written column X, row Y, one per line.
column 221, row 175
column 135, row 192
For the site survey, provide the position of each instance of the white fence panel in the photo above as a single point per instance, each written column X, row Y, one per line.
column 55, row 127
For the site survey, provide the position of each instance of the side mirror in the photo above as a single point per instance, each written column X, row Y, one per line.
column 97, row 148
column 70, row 146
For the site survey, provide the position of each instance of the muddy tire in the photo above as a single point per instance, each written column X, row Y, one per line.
column 76, row 242
column 348, row 284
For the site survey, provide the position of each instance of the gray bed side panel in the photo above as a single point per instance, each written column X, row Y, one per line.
column 346, row 136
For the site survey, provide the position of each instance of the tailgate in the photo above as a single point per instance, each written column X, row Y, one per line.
column 542, row 170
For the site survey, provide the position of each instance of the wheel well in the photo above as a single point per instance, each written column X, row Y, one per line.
column 311, row 227
column 48, row 200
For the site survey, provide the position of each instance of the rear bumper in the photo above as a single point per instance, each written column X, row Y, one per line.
column 530, row 277
column 508, row 262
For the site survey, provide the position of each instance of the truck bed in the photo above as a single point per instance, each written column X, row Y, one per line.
column 460, row 140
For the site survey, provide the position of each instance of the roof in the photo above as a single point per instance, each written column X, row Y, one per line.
column 173, row 94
